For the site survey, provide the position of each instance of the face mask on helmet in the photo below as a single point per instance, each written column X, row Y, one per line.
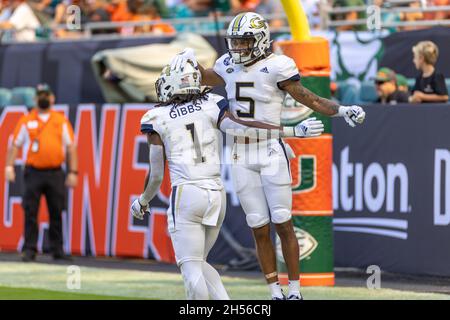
column 247, row 38
column 241, row 48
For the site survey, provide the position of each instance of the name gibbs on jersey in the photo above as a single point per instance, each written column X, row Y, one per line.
column 184, row 110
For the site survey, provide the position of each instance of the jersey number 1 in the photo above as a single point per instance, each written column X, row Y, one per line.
column 198, row 152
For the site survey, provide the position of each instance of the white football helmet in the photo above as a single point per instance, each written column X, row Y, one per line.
column 248, row 37
column 176, row 83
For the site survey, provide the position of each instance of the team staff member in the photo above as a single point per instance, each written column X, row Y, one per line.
column 46, row 135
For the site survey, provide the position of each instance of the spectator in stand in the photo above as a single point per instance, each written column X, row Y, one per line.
column 97, row 12
column 147, row 12
column 197, row 8
column 274, row 7
column 63, row 17
column 387, row 89
column 47, row 6
column 402, row 83
column 412, row 16
column 388, row 17
column 238, row 6
column 430, row 85
column 5, row 10
column 138, row 10
column 437, row 15
column 22, row 22
column 350, row 16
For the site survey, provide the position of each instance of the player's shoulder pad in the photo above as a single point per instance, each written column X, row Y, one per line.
column 282, row 58
column 148, row 120
column 223, row 63
column 287, row 68
column 283, row 61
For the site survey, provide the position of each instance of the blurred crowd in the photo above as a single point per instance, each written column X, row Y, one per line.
column 389, row 87
column 66, row 18
column 392, row 17
column 26, row 20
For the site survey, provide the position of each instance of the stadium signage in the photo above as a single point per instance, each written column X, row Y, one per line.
column 441, row 195
column 391, row 188
column 364, row 176
column 112, row 169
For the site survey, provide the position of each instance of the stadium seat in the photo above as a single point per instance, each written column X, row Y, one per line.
column 411, row 83
column 23, row 96
column 367, row 92
column 447, row 82
column 5, row 97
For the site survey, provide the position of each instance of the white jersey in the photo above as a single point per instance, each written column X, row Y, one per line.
column 191, row 139
column 253, row 92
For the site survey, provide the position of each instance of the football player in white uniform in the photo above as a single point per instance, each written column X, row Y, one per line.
column 183, row 130
column 256, row 82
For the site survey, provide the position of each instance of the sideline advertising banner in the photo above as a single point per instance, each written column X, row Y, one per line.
column 113, row 162
column 391, row 190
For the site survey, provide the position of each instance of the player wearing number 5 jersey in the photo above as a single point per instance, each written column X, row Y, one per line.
column 183, row 130
column 256, row 82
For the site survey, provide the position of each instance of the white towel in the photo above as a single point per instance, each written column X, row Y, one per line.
column 212, row 213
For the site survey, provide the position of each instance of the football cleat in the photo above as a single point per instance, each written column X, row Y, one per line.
column 295, row 297
column 279, row 298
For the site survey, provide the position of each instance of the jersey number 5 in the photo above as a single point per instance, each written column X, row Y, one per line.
column 251, row 112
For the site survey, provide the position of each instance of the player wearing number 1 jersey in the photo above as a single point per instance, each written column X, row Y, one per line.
column 256, row 82
column 183, row 130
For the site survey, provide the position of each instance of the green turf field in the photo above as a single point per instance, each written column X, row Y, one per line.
column 44, row 281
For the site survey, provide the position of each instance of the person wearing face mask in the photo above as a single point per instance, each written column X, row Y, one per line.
column 46, row 136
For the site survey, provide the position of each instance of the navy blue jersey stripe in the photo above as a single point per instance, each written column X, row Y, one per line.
column 147, row 128
column 293, row 78
column 223, row 106
column 285, row 154
column 172, row 203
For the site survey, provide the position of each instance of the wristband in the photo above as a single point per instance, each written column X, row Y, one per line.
column 288, row 132
column 73, row 171
column 142, row 201
column 341, row 111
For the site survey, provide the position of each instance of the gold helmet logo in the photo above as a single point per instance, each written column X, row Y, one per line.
column 257, row 23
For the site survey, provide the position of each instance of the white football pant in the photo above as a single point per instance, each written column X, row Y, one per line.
column 194, row 217
column 262, row 179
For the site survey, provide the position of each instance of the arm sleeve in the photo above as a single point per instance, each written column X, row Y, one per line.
column 156, row 158
column 148, row 122
column 287, row 70
column 440, row 87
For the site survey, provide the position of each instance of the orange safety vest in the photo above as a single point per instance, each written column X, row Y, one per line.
column 46, row 146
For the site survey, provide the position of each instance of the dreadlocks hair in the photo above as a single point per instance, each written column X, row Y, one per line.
column 180, row 99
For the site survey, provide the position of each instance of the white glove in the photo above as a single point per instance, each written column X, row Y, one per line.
column 310, row 127
column 179, row 61
column 138, row 210
column 352, row 114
